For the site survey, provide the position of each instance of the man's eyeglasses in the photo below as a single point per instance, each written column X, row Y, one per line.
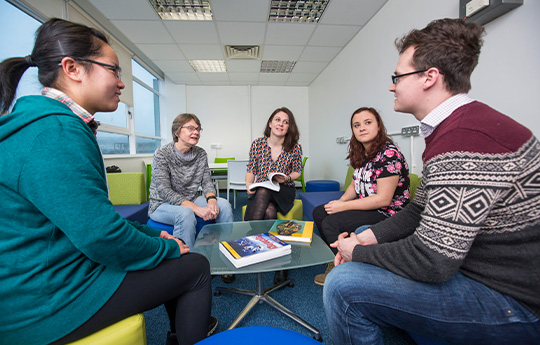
column 117, row 70
column 191, row 128
column 396, row 77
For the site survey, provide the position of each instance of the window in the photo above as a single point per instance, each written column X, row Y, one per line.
column 13, row 20
column 133, row 129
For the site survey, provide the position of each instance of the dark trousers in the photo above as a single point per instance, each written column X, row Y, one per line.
column 331, row 225
column 183, row 285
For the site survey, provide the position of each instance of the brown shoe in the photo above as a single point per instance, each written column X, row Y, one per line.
column 320, row 278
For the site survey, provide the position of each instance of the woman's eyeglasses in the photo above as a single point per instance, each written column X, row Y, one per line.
column 117, row 70
column 192, row 129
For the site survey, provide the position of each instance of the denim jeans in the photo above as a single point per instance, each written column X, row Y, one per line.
column 183, row 218
column 360, row 298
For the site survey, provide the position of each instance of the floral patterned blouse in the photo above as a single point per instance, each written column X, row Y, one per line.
column 389, row 161
column 261, row 162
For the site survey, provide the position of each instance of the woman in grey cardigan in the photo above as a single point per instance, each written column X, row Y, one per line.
column 178, row 170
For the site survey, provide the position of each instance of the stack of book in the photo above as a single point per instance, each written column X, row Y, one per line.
column 293, row 230
column 253, row 249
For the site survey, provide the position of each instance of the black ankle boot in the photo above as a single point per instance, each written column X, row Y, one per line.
column 280, row 276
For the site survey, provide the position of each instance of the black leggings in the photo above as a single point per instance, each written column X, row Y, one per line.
column 262, row 206
column 183, row 285
column 331, row 225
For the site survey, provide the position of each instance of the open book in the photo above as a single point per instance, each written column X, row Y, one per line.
column 270, row 184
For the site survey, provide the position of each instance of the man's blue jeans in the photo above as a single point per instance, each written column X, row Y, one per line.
column 360, row 298
column 183, row 218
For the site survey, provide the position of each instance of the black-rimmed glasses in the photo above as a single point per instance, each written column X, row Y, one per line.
column 117, row 70
column 396, row 77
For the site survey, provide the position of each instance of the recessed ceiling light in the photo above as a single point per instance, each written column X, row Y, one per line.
column 297, row 11
column 273, row 66
column 208, row 65
column 182, row 10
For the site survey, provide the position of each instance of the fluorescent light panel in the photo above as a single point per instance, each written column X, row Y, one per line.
column 297, row 11
column 182, row 9
column 273, row 66
column 208, row 65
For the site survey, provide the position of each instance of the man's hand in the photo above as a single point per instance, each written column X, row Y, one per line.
column 345, row 246
column 204, row 212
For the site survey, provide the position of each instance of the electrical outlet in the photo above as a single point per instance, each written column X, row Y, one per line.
column 410, row 131
column 474, row 6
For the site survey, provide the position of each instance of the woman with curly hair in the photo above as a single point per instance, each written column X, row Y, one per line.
column 380, row 184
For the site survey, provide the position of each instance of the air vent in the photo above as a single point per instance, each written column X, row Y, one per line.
column 242, row 52
column 273, row 66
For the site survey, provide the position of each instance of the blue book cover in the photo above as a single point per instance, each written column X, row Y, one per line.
column 252, row 249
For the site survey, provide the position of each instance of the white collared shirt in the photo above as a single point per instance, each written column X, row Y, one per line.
column 441, row 113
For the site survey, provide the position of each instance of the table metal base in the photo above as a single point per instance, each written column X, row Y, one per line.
column 261, row 295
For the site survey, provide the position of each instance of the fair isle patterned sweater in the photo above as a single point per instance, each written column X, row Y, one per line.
column 477, row 210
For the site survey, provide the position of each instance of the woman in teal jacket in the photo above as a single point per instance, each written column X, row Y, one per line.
column 70, row 265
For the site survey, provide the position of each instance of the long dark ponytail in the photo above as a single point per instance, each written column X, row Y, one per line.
column 55, row 39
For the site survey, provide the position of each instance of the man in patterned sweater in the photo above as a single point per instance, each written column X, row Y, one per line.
column 461, row 263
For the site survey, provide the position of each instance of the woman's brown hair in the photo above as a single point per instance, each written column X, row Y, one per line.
column 357, row 152
column 292, row 136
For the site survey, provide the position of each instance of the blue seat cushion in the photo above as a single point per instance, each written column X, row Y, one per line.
column 311, row 200
column 136, row 213
column 260, row 335
column 322, row 186
column 169, row 228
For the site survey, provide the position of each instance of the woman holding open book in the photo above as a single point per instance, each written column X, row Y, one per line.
column 278, row 151
column 380, row 185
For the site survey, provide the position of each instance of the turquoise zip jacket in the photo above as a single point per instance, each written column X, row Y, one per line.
column 63, row 249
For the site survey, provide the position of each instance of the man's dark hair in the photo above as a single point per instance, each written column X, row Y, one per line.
column 450, row 45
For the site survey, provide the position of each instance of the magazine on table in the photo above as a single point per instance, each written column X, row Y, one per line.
column 270, row 184
column 253, row 249
column 293, row 230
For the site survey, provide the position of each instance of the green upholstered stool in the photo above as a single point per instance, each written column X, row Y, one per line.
column 130, row 331
column 415, row 182
column 295, row 212
column 126, row 188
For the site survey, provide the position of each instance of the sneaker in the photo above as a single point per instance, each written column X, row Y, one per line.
column 228, row 278
column 171, row 339
column 320, row 278
column 212, row 325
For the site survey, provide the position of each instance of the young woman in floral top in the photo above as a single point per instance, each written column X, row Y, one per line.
column 380, row 185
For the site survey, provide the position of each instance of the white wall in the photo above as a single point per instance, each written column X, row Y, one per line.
column 172, row 102
column 234, row 116
column 506, row 78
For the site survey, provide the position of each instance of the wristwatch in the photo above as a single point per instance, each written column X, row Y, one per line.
column 211, row 197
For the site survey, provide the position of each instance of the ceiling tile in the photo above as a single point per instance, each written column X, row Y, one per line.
column 202, row 52
column 195, row 32
column 333, row 35
column 248, row 77
column 309, row 67
column 162, row 51
column 183, row 78
column 243, row 65
column 276, row 77
column 288, row 33
column 138, row 9
column 171, row 66
column 289, row 53
column 319, row 53
column 302, row 77
column 241, row 10
column 205, row 77
column 144, row 31
column 241, row 33
column 351, row 12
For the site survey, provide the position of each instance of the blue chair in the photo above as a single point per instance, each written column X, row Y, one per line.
column 260, row 335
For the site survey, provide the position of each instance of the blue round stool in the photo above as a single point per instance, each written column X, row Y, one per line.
column 322, row 186
column 260, row 335
column 169, row 228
